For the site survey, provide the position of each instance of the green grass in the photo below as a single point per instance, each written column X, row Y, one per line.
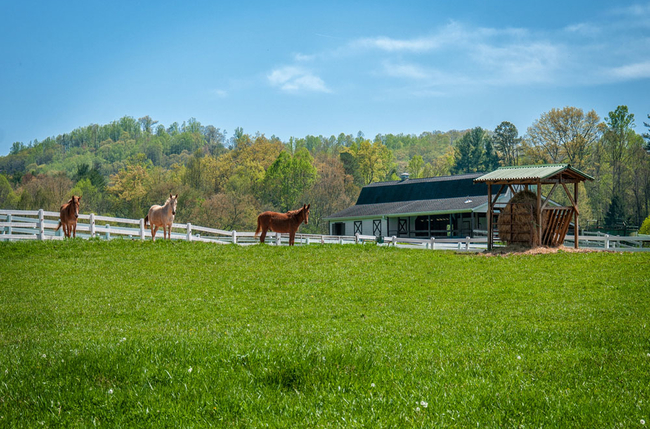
column 177, row 334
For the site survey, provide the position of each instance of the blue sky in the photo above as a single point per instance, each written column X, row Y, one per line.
column 295, row 68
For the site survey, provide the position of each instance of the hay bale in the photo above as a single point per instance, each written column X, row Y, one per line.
column 517, row 223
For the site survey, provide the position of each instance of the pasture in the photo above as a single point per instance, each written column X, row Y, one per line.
column 176, row 334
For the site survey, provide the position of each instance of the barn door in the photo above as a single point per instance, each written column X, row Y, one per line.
column 376, row 227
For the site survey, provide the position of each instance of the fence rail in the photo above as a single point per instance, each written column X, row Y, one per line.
column 41, row 225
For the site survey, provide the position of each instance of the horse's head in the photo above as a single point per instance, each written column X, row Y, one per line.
column 173, row 200
column 305, row 213
column 74, row 201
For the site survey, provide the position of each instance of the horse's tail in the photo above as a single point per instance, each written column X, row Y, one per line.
column 259, row 226
column 146, row 219
column 59, row 226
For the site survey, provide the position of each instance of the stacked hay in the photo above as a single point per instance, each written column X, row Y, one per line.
column 517, row 223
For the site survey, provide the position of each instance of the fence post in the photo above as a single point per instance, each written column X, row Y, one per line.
column 467, row 243
column 356, row 238
column 91, row 221
column 141, row 229
column 394, row 239
column 41, row 225
column 189, row 232
column 322, row 239
column 9, row 229
column 433, row 243
column 278, row 239
column 606, row 241
column 234, row 237
column 108, row 231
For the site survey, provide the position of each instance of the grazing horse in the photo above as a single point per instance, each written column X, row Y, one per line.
column 69, row 212
column 162, row 216
column 282, row 222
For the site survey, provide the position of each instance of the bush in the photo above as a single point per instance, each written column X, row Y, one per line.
column 645, row 226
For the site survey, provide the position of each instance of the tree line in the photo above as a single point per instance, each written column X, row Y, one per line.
column 124, row 167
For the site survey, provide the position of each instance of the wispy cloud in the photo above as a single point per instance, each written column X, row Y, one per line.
column 632, row 71
column 296, row 79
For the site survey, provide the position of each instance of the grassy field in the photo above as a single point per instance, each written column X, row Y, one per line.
column 177, row 334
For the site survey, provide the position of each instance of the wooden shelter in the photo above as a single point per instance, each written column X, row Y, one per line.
column 551, row 222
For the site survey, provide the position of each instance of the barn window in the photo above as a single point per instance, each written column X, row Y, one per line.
column 358, row 227
column 338, row 228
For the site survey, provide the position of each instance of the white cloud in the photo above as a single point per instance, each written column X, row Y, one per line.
column 632, row 71
column 296, row 79
column 519, row 63
column 392, row 45
column 410, row 71
column 219, row 93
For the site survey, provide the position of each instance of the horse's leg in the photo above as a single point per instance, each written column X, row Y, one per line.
column 263, row 236
column 167, row 232
column 66, row 231
column 154, row 229
column 74, row 230
column 292, row 236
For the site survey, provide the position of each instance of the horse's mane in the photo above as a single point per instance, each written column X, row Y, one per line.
column 295, row 213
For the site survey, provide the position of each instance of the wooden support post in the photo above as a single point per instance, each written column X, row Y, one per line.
column 141, row 229
column 539, row 213
column 9, row 229
column 576, row 226
column 189, row 232
column 489, row 217
column 234, row 237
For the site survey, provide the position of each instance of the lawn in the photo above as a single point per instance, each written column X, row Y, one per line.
column 176, row 334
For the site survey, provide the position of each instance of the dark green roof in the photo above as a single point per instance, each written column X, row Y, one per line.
column 422, row 189
column 447, row 194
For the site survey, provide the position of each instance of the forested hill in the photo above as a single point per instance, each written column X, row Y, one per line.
column 122, row 168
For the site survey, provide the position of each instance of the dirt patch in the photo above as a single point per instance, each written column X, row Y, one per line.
column 543, row 250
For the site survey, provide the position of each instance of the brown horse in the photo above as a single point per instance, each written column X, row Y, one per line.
column 282, row 222
column 162, row 216
column 69, row 212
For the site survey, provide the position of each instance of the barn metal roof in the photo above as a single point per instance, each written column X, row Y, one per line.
column 410, row 197
column 422, row 189
column 412, row 208
column 532, row 173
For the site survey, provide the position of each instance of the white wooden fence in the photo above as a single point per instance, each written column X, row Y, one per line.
column 41, row 225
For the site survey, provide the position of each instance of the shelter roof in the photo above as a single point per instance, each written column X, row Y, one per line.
column 548, row 173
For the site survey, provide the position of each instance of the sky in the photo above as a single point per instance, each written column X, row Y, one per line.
column 291, row 69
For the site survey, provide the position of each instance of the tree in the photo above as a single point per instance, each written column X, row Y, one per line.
column 288, row 178
column 329, row 193
column 507, row 143
column 147, row 124
column 8, row 198
column 616, row 213
column 470, row 154
column 616, row 140
column 563, row 135
column 374, row 160
column 647, row 136
column 129, row 187
column 416, row 167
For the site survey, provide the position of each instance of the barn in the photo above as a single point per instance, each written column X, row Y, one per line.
column 446, row 206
